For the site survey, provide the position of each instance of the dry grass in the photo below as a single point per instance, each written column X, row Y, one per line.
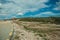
column 46, row 31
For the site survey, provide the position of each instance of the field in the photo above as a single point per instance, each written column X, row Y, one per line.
column 46, row 31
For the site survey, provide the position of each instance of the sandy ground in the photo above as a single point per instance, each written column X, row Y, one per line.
column 5, row 28
column 23, row 34
column 20, row 33
column 47, row 31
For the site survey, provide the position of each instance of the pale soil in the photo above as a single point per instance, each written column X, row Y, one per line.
column 20, row 33
column 23, row 34
column 53, row 30
column 5, row 28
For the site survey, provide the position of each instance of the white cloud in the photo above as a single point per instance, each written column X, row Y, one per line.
column 13, row 16
column 0, row 4
column 58, row 6
column 20, row 14
column 27, row 4
column 45, row 14
column 3, row 14
column 19, row 6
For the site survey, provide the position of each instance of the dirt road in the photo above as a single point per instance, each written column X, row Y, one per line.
column 5, row 28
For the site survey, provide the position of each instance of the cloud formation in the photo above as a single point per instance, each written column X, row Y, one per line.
column 58, row 6
column 15, row 6
column 46, row 14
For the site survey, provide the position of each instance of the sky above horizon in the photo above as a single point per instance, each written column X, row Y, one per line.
column 29, row 8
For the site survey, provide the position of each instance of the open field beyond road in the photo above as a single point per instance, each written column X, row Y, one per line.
column 46, row 31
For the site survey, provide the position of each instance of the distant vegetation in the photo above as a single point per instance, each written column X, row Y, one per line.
column 40, row 26
column 42, row 19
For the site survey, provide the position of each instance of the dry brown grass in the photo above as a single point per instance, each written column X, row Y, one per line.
column 46, row 31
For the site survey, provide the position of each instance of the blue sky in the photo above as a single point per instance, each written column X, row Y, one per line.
column 29, row 8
